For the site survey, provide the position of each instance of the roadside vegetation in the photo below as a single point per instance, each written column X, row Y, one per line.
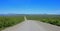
column 7, row 21
column 52, row 19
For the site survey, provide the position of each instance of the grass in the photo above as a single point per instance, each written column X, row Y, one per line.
column 52, row 19
column 7, row 21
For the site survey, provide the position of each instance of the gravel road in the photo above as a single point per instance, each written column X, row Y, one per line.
column 32, row 25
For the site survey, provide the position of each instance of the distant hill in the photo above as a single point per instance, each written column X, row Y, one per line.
column 28, row 14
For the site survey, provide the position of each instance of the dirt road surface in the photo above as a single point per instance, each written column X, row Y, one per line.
column 32, row 25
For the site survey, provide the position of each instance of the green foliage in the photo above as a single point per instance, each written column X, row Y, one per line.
column 52, row 19
column 6, row 21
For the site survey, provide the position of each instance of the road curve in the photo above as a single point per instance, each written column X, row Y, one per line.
column 32, row 25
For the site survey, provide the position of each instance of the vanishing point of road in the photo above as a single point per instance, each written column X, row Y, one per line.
column 32, row 25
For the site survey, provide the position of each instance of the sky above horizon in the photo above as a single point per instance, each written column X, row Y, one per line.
column 29, row 6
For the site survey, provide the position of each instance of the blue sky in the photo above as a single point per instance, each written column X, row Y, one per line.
column 30, row 6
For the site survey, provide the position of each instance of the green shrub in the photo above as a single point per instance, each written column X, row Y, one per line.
column 52, row 19
column 7, row 21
